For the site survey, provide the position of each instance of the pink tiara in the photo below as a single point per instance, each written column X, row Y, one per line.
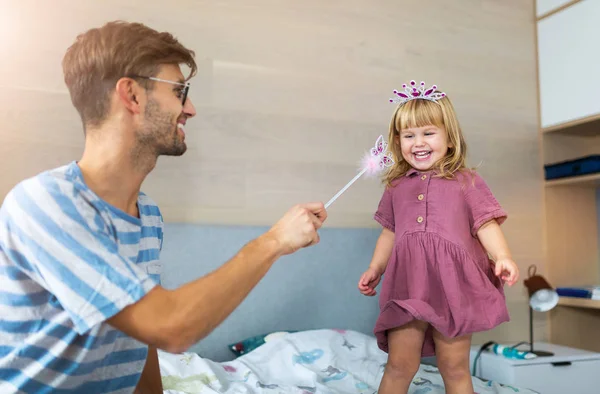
column 414, row 92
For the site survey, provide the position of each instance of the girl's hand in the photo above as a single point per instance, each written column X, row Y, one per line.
column 369, row 281
column 507, row 270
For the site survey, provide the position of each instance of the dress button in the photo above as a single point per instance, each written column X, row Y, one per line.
column 420, row 219
column 420, row 197
column 424, row 177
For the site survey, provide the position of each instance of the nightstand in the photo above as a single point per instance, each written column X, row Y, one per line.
column 568, row 371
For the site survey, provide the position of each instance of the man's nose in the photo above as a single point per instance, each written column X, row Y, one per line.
column 189, row 109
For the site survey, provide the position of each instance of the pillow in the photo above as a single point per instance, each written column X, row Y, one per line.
column 249, row 344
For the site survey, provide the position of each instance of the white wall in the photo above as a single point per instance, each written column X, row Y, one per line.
column 568, row 63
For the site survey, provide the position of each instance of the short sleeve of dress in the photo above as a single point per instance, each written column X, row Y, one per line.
column 481, row 203
column 385, row 211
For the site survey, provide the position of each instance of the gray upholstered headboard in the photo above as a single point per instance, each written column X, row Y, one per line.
column 314, row 288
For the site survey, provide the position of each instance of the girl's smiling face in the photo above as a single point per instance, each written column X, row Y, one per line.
column 423, row 146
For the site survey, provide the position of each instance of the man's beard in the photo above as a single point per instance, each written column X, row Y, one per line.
column 158, row 135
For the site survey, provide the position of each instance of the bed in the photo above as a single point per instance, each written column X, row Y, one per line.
column 304, row 329
column 305, row 362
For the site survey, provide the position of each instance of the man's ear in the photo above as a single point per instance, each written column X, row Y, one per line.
column 129, row 93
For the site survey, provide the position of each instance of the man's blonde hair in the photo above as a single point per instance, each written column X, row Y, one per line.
column 101, row 56
column 420, row 113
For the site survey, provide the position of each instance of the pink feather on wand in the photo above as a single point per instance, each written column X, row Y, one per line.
column 372, row 164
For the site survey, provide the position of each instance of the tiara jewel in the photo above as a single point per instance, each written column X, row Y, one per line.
column 414, row 92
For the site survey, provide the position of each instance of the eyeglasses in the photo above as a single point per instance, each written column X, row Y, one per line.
column 184, row 92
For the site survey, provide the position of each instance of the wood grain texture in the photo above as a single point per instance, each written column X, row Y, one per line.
column 296, row 90
column 576, row 327
column 572, row 236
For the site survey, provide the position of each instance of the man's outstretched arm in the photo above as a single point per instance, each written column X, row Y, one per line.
column 173, row 320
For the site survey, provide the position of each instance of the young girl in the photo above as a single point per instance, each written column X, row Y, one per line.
column 441, row 224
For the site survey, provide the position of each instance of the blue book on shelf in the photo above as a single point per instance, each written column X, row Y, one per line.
column 574, row 292
column 580, row 166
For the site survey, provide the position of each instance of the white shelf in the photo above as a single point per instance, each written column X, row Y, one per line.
column 592, row 181
column 579, row 302
column 586, row 127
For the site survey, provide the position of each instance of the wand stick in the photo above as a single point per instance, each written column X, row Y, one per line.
column 373, row 162
column 345, row 188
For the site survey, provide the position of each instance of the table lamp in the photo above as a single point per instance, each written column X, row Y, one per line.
column 542, row 298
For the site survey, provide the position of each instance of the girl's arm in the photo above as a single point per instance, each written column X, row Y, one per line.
column 491, row 237
column 383, row 250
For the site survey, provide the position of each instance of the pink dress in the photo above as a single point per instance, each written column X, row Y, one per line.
column 438, row 271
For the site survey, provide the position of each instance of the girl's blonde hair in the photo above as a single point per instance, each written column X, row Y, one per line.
column 420, row 113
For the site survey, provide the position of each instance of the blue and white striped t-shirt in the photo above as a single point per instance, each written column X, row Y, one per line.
column 68, row 262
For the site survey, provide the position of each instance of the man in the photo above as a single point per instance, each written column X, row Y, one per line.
column 82, row 309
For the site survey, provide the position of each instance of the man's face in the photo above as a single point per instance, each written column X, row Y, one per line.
column 163, row 126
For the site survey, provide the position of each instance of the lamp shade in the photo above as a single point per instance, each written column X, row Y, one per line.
column 542, row 297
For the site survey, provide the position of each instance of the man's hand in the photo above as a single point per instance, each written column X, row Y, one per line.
column 298, row 227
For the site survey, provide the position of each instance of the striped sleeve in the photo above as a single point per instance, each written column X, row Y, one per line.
column 50, row 227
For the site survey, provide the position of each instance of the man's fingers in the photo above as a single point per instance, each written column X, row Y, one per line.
column 317, row 209
column 316, row 239
column 315, row 220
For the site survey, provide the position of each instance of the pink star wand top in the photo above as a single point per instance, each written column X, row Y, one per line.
column 372, row 163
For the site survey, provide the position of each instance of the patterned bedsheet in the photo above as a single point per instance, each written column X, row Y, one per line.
column 307, row 362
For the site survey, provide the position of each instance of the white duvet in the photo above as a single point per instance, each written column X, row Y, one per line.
column 307, row 362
